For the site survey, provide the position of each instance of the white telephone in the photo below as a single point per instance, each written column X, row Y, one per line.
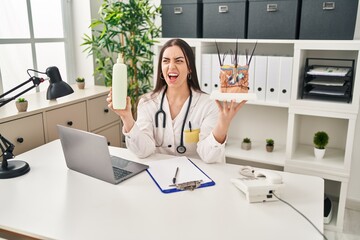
column 269, row 176
column 259, row 185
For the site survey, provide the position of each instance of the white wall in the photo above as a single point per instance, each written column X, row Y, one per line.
column 82, row 18
column 84, row 10
column 357, row 26
column 354, row 184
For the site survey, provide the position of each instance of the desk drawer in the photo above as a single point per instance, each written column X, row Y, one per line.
column 71, row 116
column 112, row 134
column 25, row 133
column 99, row 113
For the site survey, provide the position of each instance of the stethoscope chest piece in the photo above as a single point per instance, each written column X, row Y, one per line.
column 181, row 149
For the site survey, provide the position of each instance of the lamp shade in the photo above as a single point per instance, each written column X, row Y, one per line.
column 57, row 88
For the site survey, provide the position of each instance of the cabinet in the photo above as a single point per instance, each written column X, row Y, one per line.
column 292, row 121
column 108, row 132
column 103, row 121
column 73, row 115
column 99, row 114
column 25, row 133
column 84, row 109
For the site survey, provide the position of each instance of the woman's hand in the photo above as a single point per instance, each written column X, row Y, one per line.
column 227, row 112
column 125, row 114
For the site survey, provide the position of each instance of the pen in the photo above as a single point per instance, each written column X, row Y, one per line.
column 190, row 126
column 176, row 172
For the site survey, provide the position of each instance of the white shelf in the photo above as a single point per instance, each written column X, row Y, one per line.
column 267, row 103
column 257, row 153
column 292, row 123
column 238, row 97
column 331, row 164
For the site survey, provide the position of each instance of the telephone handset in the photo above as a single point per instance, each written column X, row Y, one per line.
column 270, row 176
column 259, row 185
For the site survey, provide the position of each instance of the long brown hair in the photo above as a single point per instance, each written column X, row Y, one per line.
column 192, row 80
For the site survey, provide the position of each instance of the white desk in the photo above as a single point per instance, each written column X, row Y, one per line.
column 58, row 203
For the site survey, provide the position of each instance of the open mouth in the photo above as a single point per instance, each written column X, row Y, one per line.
column 173, row 76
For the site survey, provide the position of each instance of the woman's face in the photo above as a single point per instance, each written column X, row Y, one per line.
column 174, row 67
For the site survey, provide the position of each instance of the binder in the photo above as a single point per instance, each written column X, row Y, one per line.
column 252, row 77
column 162, row 173
column 272, row 79
column 285, row 79
column 215, row 72
column 206, row 72
column 260, row 77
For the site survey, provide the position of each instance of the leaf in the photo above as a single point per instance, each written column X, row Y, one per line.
column 134, row 20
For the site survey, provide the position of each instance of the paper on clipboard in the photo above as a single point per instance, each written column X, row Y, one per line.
column 163, row 171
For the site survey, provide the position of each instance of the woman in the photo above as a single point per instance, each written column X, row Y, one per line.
column 177, row 118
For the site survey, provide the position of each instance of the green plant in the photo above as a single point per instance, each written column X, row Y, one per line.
column 321, row 139
column 269, row 142
column 127, row 28
column 21, row 100
column 247, row 140
column 80, row 79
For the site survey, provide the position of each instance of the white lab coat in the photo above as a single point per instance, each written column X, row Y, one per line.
column 145, row 139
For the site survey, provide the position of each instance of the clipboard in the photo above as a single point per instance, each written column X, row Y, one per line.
column 162, row 173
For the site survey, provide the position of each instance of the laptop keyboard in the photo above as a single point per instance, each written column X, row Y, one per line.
column 120, row 173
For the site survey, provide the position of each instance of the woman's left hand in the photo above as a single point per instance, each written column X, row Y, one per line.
column 227, row 111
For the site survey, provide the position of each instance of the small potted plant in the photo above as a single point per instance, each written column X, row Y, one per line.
column 269, row 145
column 80, row 82
column 321, row 139
column 246, row 144
column 21, row 104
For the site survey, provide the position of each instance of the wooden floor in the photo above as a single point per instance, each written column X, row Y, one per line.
column 351, row 227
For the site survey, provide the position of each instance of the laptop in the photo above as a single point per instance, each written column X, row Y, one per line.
column 88, row 153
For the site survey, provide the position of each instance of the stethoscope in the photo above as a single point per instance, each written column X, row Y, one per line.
column 181, row 148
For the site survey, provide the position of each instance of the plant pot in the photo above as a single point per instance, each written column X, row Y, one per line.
column 319, row 153
column 269, row 148
column 246, row 146
column 81, row 85
column 21, row 106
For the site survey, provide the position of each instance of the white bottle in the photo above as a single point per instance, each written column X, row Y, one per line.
column 119, row 84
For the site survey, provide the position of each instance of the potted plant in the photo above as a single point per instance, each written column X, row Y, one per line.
column 80, row 81
column 269, row 145
column 128, row 28
column 21, row 104
column 246, row 144
column 321, row 139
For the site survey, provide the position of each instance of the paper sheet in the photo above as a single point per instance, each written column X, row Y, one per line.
column 329, row 71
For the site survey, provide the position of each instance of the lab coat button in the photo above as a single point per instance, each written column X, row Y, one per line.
column 169, row 146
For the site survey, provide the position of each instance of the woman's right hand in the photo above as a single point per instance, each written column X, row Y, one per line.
column 125, row 114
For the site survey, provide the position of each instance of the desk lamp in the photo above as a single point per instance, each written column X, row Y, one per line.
column 56, row 89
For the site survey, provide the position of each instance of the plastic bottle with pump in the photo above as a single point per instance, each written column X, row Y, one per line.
column 119, row 84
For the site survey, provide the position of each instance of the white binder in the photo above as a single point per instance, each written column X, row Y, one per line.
column 206, row 72
column 215, row 72
column 252, row 76
column 286, row 65
column 272, row 79
column 243, row 62
column 260, row 76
